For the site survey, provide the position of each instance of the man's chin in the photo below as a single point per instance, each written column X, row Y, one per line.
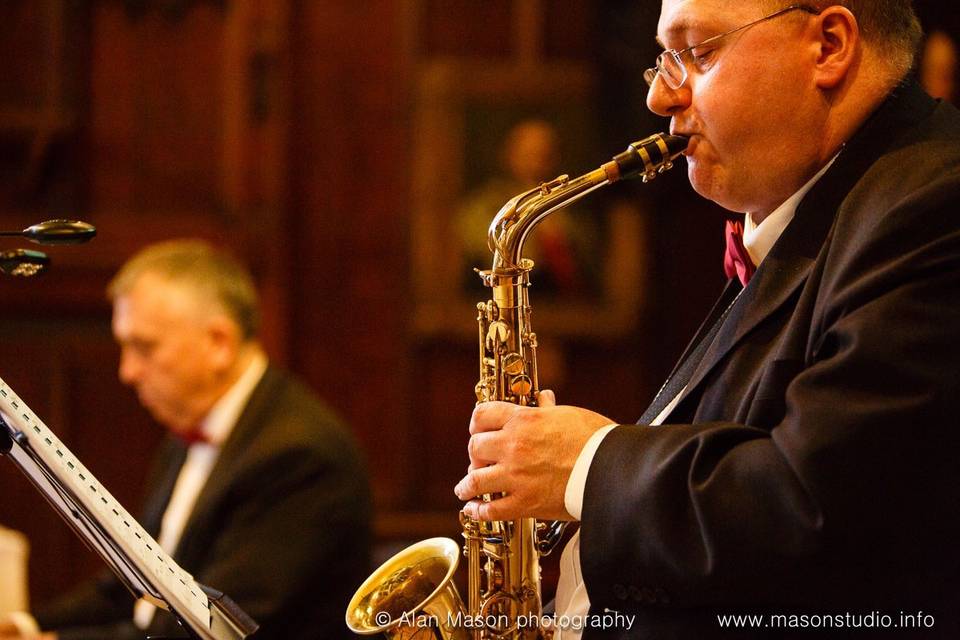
column 164, row 419
column 700, row 179
column 707, row 184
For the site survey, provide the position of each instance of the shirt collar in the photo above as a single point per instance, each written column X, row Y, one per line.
column 758, row 239
column 219, row 422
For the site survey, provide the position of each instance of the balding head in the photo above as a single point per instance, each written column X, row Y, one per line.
column 214, row 278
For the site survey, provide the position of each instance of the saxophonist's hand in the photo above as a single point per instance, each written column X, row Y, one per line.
column 527, row 454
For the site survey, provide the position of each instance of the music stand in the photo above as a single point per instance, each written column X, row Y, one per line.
column 110, row 532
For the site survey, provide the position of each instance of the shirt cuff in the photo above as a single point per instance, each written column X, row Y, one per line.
column 577, row 482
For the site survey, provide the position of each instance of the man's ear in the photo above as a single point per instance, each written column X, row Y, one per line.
column 224, row 336
column 838, row 35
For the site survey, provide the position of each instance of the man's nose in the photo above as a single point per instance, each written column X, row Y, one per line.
column 664, row 101
column 130, row 368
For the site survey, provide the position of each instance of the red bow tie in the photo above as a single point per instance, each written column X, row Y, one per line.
column 193, row 436
column 737, row 262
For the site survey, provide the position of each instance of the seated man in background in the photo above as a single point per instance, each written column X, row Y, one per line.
column 258, row 492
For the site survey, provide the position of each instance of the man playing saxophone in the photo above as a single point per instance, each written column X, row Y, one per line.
column 798, row 463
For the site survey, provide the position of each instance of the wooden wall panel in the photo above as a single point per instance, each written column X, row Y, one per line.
column 467, row 28
column 287, row 130
column 349, row 203
column 24, row 28
column 156, row 123
column 569, row 29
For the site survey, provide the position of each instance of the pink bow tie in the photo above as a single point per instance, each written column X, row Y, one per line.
column 737, row 262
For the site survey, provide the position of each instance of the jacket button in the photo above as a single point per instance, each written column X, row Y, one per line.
column 620, row 591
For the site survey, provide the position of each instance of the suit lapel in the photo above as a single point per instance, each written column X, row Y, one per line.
column 729, row 294
column 782, row 272
column 162, row 479
column 679, row 378
column 224, row 471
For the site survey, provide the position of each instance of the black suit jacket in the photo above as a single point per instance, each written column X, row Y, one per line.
column 811, row 466
column 282, row 526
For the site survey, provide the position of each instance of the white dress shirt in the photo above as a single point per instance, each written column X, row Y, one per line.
column 201, row 457
column 572, row 597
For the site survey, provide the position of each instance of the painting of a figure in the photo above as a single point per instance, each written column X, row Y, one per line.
column 485, row 136
column 563, row 247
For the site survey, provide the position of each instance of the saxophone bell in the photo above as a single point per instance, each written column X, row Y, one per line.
column 412, row 593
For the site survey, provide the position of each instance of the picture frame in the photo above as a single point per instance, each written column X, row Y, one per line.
column 463, row 115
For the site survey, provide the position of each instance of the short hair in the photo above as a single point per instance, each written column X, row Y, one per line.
column 891, row 24
column 211, row 273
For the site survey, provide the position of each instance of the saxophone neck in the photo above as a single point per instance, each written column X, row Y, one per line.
column 511, row 227
column 516, row 219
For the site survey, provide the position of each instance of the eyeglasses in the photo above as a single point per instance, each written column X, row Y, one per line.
column 670, row 67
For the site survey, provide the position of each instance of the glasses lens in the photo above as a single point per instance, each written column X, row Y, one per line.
column 669, row 69
column 672, row 70
column 650, row 75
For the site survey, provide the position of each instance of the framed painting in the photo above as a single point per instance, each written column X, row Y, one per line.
column 484, row 134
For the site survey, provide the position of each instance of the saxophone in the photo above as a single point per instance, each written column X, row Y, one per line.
column 413, row 595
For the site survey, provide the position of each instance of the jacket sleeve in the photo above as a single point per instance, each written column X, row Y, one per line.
column 97, row 609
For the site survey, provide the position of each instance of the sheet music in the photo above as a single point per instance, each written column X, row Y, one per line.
column 166, row 582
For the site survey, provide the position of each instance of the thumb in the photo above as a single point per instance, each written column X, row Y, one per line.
column 546, row 398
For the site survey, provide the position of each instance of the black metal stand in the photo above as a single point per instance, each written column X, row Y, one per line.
column 5, row 442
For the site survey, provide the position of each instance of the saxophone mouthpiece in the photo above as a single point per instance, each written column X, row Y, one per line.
column 648, row 157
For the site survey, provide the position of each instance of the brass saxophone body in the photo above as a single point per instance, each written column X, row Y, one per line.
column 413, row 595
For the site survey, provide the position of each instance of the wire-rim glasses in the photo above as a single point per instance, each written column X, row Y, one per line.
column 670, row 65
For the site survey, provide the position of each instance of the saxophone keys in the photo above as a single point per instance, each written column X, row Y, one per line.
column 497, row 334
column 503, row 608
column 521, row 385
column 547, row 187
column 513, row 363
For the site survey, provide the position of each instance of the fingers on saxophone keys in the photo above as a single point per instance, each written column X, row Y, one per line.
column 477, row 482
column 483, row 449
column 491, row 416
column 546, row 398
column 497, row 510
column 472, row 509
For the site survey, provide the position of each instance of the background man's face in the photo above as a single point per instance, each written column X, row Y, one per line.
column 164, row 351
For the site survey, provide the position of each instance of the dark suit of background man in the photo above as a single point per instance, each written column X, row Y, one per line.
column 807, row 461
column 259, row 492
